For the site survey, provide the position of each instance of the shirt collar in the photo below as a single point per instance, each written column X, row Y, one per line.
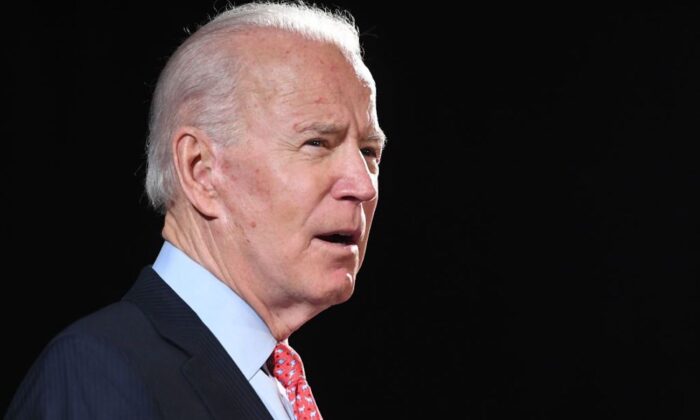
column 239, row 329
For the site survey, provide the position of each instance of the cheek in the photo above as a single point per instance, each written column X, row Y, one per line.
column 245, row 195
column 271, row 202
column 246, row 182
column 258, row 184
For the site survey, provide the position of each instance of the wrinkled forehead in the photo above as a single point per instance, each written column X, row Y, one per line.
column 267, row 54
column 278, row 64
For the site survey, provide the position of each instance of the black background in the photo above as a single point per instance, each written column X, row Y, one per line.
column 535, row 250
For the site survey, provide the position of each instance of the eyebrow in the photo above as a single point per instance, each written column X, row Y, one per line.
column 375, row 136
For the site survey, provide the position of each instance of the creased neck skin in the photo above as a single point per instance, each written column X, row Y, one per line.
column 187, row 230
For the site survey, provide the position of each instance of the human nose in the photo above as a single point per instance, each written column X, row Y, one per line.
column 356, row 181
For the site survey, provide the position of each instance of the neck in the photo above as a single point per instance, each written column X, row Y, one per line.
column 187, row 230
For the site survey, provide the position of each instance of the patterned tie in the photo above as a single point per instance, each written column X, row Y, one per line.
column 289, row 370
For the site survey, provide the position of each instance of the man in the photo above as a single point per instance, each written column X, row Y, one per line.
column 263, row 154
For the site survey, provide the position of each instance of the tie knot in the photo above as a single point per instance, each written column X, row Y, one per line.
column 286, row 365
column 289, row 371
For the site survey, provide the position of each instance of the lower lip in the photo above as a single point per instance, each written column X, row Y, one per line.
column 344, row 248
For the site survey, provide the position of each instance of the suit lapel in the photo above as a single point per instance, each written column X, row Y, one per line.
column 210, row 370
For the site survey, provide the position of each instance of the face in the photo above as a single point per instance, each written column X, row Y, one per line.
column 299, row 187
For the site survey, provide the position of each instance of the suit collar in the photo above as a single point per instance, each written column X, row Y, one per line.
column 224, row 313
column 211, row 372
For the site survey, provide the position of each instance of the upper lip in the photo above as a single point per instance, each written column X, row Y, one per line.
column 353, row 234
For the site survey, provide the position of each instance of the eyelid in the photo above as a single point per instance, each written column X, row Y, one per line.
column 375, row 151
column 321, row 142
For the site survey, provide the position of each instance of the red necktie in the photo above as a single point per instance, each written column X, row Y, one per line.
column 289, row 370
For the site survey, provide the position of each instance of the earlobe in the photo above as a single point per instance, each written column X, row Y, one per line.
column 194, row 161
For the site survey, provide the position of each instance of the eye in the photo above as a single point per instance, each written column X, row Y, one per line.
column 369, row 151
column 315, row 143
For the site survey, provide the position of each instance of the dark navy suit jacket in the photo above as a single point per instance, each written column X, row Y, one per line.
column 146, row 357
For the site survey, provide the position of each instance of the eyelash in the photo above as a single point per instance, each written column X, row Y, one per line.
column 372, row 153
column 315, row 142
column 367, row 151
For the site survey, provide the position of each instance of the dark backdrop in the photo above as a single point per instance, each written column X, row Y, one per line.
column 535, row 250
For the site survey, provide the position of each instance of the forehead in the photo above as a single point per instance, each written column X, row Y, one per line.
column 284, row 72
column 274, row 59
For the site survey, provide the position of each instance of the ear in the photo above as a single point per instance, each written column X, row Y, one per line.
column 194, row 160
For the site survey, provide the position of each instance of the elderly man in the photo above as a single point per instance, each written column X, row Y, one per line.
column 264, row 156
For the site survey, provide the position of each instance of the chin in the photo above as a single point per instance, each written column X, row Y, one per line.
column 338, row 288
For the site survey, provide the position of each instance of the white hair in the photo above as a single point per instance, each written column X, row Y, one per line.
column 197, row 85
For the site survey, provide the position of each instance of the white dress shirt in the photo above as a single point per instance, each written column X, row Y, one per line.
column 239, row 329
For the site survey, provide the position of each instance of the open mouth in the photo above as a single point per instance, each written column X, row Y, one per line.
column 341, row 237
column 338, row 238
